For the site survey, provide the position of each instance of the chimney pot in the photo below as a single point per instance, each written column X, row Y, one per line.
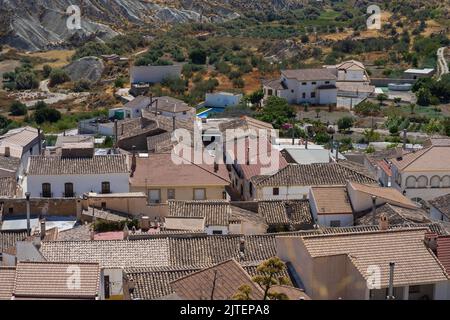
column 384, row 222
column 7, row 151
column 374, row 209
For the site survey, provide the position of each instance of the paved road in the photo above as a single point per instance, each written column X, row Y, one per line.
column 442, row 66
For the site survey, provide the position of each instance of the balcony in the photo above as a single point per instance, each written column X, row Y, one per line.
column 69, row 195
column 46, row 194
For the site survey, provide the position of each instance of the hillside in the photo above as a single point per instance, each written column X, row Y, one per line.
column 40, row 24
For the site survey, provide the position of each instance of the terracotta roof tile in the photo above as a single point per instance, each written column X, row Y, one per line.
column 216, row 213
column 7, row 276
column 56, row 165
column 314, row 175
column 7, row 187
column 294, row 212
column 331, row 200
column 51, row 280
column 220, row 282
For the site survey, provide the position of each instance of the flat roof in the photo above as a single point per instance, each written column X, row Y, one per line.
column 423, row 71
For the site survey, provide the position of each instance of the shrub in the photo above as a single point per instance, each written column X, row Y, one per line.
column 82, row 85
column 18, row 109
column 46, row 71
column 345, row 123
column 198, row 56
column 58, row 76
column 47, row 115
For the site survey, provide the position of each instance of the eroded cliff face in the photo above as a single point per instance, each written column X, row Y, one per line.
column 41, row 24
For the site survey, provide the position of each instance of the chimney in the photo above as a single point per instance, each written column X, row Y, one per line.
column 7, row 152
column 43, row 229
column 374, row 210
column 242, row 248
column 391, row 281
column 27, row 195
column 174, row 123
column 216, row 167
column 92, row 234
column 431, row 241
column 405, row 136
column 133, row 162
column 384, row 222
column 39, row 141
column 126, row 231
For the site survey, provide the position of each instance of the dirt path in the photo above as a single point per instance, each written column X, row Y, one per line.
column 442, row 66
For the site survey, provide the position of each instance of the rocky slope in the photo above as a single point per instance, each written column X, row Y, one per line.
column 41, row 24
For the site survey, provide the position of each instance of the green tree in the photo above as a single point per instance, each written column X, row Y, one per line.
column 268, row 276
column 198, row 56
column 381, row 98
column 46, row 114
column 243, row 293
column 18, row 109
column 423, row 96
column 345, row 123
column 370, row 135
column 26, row 80
column 119, row 82
column 46, row 71
column 277, row 111
column 58, row 76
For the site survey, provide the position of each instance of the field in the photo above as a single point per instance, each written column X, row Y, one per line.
column 54, row 58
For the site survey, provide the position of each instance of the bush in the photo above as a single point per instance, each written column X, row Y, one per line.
column 119, row 82
column 46, row 114
column 345, row 123
column 58, row 76
column 47, row 70
column 26, row 80
column 18, row 109
column 106, row 226
column 198, row 56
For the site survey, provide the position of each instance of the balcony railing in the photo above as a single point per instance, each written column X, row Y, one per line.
column 46, row 194
column 69, row 194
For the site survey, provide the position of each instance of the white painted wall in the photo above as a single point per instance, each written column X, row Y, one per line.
column 210, row 229
column 222, row 99
column 442, row 290
column 286, row 193
column 119, row 183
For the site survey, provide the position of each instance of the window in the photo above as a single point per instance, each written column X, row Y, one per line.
column 313, row 94
column 46, row 190
column 10, row 210
column 68, row 190
column 411, row 182
column 292, row 91
column 217, row 232
column 170, row 194
column 270, row 92
column 335, row 223
column 422, row 182
column 327, row 82
column 103, row 205
column 304, row 83
column 154, row 196
column 199, row 194
column 276, row 191
column 184, row 113
column 304, row 95
column 314, row 83
column 414, row 289
column 435, row 182
column 106, row 187
column 446, row 182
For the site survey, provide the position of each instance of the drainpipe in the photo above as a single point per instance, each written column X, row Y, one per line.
column 404, row 138
column 27, row 195
column 39, row 141
column 391, row 281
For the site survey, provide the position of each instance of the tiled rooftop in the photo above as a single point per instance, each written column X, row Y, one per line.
column 296, row 213
column 50, row 280
column 216, row 213
column 314, row 175
column 56, row 165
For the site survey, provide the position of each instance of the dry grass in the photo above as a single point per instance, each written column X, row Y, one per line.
column 54, row 58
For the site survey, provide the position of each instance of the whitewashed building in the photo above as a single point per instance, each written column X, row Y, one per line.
column 66, row 177
column 314, row 86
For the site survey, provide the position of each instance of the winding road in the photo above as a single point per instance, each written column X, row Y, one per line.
column 442, row 66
